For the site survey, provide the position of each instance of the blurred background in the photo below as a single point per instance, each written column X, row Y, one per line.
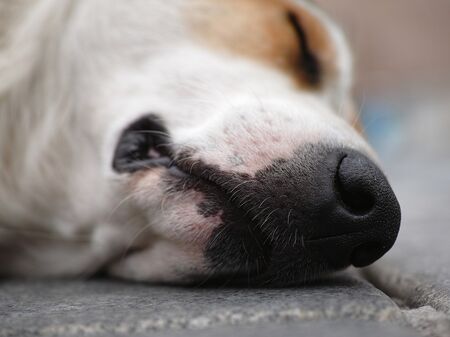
column 402, row 56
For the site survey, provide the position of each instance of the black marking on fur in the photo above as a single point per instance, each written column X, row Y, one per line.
column 209, row 208
column 237, row 247
column 308, row 62
column 253, row 245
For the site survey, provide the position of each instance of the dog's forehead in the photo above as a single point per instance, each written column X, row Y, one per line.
column 263, row 30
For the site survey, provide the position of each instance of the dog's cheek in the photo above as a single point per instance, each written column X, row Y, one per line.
column 175, row 214
column 182, row 219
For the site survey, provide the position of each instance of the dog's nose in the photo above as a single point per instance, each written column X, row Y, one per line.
column 364, row 218
column 323, row 209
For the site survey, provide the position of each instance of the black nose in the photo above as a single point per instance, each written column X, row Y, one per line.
column 322, row 209
column 364, row 219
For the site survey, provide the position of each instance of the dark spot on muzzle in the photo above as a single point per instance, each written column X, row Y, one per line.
column 322, row 210
column 237, row 248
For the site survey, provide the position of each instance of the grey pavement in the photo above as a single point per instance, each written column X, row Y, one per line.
column 101, row 307
column 340, row 328
column 417, row 269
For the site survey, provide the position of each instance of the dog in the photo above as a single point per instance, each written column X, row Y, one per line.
column 183, row 141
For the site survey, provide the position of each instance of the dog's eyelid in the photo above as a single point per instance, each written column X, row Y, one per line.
column 308, row 63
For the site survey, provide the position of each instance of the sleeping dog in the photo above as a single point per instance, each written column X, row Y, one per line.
column 183, row 141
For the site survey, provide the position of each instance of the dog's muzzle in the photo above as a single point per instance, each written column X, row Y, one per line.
column 322, row 210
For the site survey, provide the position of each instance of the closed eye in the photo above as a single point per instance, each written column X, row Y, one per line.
column 308, row 62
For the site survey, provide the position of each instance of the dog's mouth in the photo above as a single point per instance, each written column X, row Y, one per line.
column 243, row 248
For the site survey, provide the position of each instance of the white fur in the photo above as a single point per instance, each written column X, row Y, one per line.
column 74, row 74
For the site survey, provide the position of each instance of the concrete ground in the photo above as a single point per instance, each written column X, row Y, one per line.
column 105, row 308
column 416, row 273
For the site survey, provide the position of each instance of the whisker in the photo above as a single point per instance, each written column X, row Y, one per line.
column 245, row 200
column 152, row 132
column 359, row 112
column 260, row 205
column 121, row 203
column 192, row 166
column 295, row 236
column 257, row 215
column 268, row 216
column 289, row 217
column 135, row 236
column 236, row 190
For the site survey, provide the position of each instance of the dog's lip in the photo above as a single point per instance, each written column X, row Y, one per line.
column 164, row 161
column 182, row 170
column 209, row 173
column 181, row 167
column 146, row 164
column 330, row 237
column 175, row 171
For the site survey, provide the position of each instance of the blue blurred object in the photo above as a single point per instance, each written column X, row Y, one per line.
column 381, row 119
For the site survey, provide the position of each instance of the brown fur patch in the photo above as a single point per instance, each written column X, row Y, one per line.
column 260, row 29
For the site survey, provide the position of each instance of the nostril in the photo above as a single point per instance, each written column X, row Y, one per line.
column 367, row 254
column 353, row 187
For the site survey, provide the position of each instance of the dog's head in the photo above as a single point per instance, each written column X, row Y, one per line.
column 231, row 137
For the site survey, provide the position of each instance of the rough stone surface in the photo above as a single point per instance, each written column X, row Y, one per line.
column 343, row 328
column 428, row 321
column 417, row 270
column 102, row 307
